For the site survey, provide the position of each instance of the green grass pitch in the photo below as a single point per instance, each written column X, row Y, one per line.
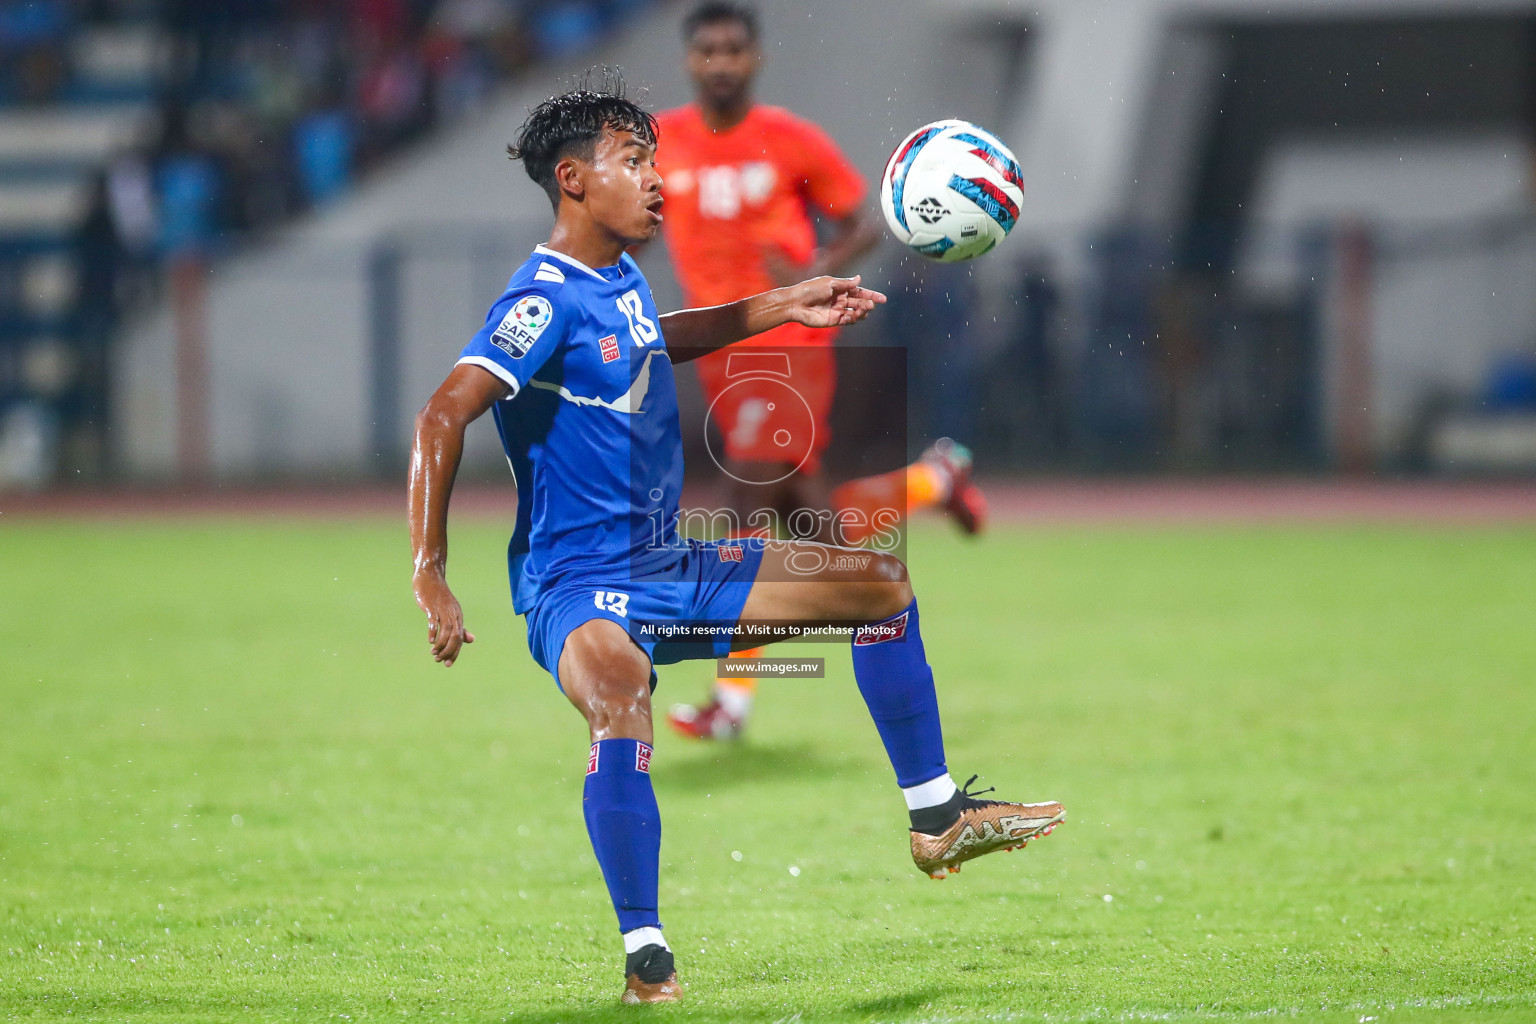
column 1299, row 767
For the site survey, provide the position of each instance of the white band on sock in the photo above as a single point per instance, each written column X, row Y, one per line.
column 930, row 793
column 641, row 937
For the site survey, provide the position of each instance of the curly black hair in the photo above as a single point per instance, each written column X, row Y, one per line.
column 571, row 124
column 711, row 11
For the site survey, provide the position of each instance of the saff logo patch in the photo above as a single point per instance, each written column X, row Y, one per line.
column 522, row 325
column 610, row 347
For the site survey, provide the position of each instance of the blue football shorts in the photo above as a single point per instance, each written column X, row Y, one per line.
column 673, row 614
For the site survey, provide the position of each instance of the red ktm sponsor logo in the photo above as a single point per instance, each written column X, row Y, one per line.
column 880, row 632
column 643, row 757
column 729, row 552
column 610, row 347
column 592, row 760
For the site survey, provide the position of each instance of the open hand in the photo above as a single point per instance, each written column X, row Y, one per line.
column 445, row 619
column 830, row 301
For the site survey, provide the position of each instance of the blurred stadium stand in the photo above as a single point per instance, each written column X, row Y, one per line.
column 146, row 144
column 1289, row 236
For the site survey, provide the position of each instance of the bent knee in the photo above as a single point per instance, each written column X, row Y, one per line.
column 894, row 588
column 606, row 675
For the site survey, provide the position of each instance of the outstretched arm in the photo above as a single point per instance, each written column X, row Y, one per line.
column 435, row 453
column 819, row 302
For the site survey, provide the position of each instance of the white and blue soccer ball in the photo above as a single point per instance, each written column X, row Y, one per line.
column 951, row 191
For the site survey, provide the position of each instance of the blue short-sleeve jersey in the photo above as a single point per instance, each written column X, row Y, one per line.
column 590, row 428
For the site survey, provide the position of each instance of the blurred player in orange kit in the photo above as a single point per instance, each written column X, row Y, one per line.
column 743, row 184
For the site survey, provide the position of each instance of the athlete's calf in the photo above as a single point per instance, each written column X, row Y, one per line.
column 607, row 677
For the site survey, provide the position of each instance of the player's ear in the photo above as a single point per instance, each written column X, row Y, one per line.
column 569, row 177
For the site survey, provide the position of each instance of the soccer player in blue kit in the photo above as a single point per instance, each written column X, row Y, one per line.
column 574, row 362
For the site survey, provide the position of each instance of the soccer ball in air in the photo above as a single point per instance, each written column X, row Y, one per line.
column 951, row 191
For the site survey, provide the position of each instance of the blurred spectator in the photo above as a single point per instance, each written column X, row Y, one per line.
column 131, row 200
column 474, row 19
column 33, row 34
column 272, row 85
column 322, row 144
column 102, row 257
column 189, row 192
column 291, row 99
column 391, row 99
column 28, row 439
column 101, row 251
column 188, row 189
column 255, row 182
column 462, row 72
column 1511, row 384
column 566, row 26
column 312, row 45
column 380, row 26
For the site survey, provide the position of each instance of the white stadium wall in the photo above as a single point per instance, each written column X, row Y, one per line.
column 1439, row 313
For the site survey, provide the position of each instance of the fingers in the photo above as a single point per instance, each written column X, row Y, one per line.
column 854, row 306
column 847, row 290
column 446, row 639
column 445, row 620
column 852, row 286
column 844, row 285
column 449, row 648
column 835, row 301
column 437, row 636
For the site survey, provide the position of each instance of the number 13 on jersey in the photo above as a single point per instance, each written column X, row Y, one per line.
column 641, row 327
column 612, row 601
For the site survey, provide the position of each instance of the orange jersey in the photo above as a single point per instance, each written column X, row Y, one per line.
column 735, row 195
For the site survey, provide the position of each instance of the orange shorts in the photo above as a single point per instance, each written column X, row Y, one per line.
column 771, row 398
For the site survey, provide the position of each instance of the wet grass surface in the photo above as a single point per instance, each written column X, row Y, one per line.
column 1297, row 765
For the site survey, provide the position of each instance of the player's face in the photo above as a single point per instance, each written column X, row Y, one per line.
column 623, row 188
column 722, row 59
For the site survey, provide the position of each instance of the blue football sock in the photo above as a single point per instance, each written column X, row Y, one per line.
column 625, row 826
column 897, row 684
